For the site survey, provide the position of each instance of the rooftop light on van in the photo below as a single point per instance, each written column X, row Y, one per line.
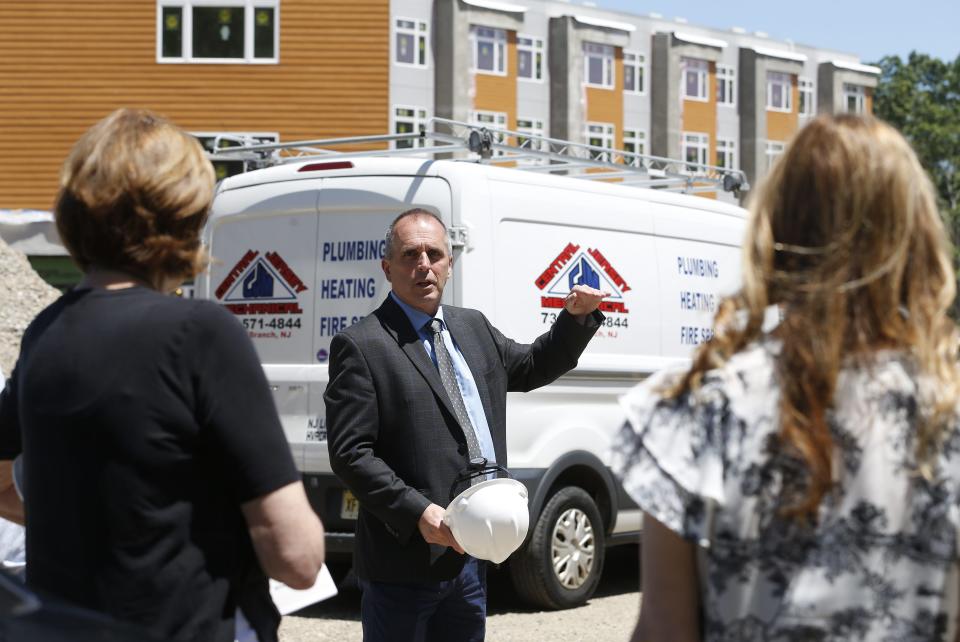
column 316, row 167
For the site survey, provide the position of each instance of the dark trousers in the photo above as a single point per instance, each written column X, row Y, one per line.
column 427, row 611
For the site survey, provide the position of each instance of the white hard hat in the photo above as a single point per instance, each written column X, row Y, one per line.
column 490, row 520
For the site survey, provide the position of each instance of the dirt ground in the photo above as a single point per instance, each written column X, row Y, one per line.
column 609, row 617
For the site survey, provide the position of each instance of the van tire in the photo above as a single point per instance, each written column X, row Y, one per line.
column 572, row 514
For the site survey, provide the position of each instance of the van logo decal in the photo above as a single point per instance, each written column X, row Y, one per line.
column 261, row 285
column 573, row 266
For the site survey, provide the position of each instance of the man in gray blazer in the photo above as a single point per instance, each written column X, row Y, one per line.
column 416, row 391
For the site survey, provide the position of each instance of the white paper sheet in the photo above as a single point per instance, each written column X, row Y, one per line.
column 289, row 600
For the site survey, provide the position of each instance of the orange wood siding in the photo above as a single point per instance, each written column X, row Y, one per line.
column 701, row 117
column 606, row 105
column 868, row 101
column 782, row 125
column 499, row 93
column 66, row 64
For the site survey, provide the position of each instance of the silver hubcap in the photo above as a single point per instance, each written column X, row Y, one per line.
column 572, row 548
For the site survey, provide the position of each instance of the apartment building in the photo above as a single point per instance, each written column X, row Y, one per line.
column 641, row 84
column 280, row 70
column 273, row 69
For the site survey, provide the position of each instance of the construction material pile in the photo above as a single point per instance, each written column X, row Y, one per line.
column 23, row 294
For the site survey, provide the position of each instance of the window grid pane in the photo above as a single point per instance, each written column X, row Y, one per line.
column 524, row 63
column 485, row 56
column 218, row 32
column 263, row 33
column 405, row 48
column 172, row 41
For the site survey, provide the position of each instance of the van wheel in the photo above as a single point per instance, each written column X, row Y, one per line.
column 560, row 565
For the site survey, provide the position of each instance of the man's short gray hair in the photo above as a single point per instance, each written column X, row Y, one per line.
column 416, row 211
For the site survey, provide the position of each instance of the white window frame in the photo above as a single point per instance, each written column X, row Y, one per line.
column 785, row 82
column 418, row 120
column 727, row 147
column 636, row 60
column 250, row 7
column 420, row 32
column 637, row 138
column 498, row 39
column 607, row 55
column 807, row 88
column 727, row 85
column 773, row 149
column 532, row 127
column 605, row 132
column 262, row 137
column 859, row 94
column 699, row 141
column 256, row 139
column 701, row 69
column 534, row 47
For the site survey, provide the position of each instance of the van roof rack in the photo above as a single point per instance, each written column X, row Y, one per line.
column 444, row 138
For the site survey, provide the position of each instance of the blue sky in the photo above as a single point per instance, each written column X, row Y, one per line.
column 867, row 29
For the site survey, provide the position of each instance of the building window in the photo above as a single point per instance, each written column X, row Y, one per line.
column 489, row 119
column 226, row 166
column 489, row 50
column 598, row 64
column 531, row 127
column 410, row 38
column 600, row 135
column 634, row 68
column 779, row 89
column 408, row 120
column 808, row 105
column 695, row 148
column 224, row 31
column 774, row 150
column 530, row 62
column 696, row 78
column 726, row 85
column 726, row 153
column 634, row 142
column 854, row 98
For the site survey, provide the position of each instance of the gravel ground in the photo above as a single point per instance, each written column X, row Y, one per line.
column 609, row 617
column 22, row 295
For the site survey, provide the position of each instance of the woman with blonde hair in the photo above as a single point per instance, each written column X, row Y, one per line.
column 158, row 484
column 803, row 483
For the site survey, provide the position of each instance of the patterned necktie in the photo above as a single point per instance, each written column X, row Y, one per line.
column 449, row 379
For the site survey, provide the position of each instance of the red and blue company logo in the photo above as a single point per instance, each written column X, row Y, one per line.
column 574, row 266
column 261, row 285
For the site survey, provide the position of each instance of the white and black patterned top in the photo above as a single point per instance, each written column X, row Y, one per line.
column 881, row 561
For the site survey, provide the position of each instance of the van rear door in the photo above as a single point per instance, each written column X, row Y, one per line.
column 354, row 213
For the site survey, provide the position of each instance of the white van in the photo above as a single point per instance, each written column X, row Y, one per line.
column 297, row 252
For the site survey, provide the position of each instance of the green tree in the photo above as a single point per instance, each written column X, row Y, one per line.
column 920, row 96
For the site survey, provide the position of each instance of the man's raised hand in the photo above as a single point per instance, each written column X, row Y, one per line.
column 583, row 300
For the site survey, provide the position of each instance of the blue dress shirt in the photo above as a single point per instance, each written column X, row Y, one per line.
column 465, row 381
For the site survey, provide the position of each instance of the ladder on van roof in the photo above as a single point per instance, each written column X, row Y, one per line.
column 443, row 138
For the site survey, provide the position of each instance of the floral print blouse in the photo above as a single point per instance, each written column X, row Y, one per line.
column 879, row 563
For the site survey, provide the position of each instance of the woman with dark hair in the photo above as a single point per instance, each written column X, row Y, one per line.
column 803, row 482
column 158, row 483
